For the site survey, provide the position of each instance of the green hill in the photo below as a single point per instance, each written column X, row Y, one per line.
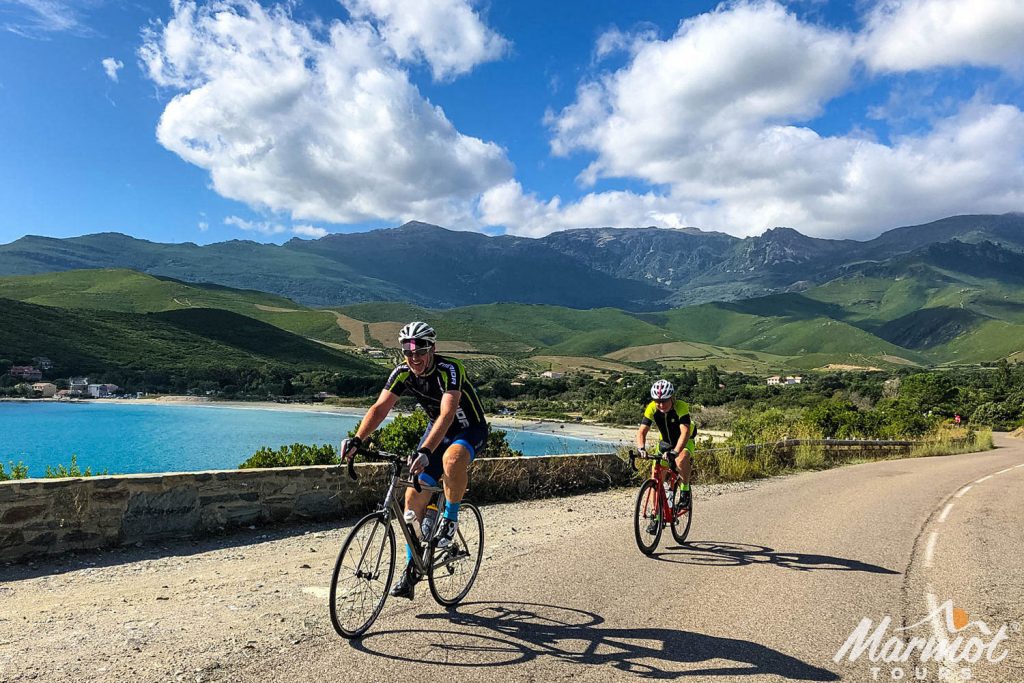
column 198, row 341
column 917, row 309
column 129, row 291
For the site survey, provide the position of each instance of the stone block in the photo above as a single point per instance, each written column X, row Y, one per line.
column 170, row 513
column 22, row 513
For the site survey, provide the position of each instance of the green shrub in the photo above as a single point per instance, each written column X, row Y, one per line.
column 72, row 470
column 997, row 415
column 19, row 471
column 295, row 455
column 403, row 435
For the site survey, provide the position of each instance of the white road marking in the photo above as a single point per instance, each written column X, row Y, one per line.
column 983, row 479
column 1006, row 470
column 962, row 492
column 945, row 512
column 929, row 551
column 933, row 608
column 1020, row 465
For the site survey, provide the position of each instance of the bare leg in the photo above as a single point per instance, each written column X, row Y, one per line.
column 417, row 502
column 456, row 472
column 684, row 461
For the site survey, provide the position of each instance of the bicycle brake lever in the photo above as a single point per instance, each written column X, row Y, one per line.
column 416, row 484
column 352, row 469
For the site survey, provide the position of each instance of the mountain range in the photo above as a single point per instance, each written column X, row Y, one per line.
column 635, row 269
column 946, row 292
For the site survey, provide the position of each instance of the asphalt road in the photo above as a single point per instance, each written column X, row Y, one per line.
column 772, row 582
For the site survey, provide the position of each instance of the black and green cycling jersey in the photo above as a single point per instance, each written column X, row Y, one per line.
column 447, row 375
column 669, row 422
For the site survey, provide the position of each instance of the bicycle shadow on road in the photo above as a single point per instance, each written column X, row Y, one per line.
column 728, row 554
column 491, row 634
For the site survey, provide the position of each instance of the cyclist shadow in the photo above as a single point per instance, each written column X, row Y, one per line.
column 502, row 634
column 719, row 553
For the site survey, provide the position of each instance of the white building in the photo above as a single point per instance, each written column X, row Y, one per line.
column 773, row 380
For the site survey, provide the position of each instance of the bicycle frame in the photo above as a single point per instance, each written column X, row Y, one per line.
column 661, row 474
column 392, row 509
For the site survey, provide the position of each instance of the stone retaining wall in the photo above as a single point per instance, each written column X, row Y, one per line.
column 41, row 517
column 53, row 516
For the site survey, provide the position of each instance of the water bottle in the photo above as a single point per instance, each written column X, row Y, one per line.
column 410, row 519
column 668, row 493
column 428, row 520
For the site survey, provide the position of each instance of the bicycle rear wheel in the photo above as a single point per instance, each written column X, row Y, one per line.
column 647, row 521
column 454, row 569
column 681, row 517
column 362, row 575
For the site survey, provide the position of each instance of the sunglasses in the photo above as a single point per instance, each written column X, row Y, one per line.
column 659, row 401
column 417, row 353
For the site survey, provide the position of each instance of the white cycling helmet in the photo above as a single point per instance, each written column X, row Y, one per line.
column 662, row 390
column 417, row 334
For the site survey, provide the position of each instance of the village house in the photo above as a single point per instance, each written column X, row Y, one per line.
column 43, row 363
column 45, row 389
column 550, row 374
column 794, row 380
column 773, row 380
column 78, row 386
column 102, row 390
column 25, row 372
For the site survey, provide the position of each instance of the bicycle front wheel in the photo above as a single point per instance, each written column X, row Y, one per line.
column 647, row 521
column 681, row 517
column 362, row 575
column 453, row 569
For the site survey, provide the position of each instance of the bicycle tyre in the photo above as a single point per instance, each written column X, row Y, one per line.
column 349, row 613
column 449, row 575
column 681, row 520
column 648, row 510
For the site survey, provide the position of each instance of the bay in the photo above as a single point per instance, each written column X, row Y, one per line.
column 131, row 438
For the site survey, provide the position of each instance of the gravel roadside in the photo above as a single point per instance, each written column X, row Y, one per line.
column 196, row 610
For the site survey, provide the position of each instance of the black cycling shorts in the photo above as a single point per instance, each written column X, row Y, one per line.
column 474, row 439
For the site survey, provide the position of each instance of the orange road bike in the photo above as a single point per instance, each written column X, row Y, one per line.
column 653, row 511
column 366, row 563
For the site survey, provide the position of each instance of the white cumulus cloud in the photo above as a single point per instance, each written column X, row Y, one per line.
column 908, row 35
column 111, row 66
column 309, row 231
column 447, row 34
column 320, row 127
column 720, row 118
column 271, row 228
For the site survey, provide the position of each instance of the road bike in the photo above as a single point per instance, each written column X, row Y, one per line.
column 653, row 511
column 366, row 564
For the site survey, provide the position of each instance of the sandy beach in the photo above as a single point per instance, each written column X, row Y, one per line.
column 579, row 430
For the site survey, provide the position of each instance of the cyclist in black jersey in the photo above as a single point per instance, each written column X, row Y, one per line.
column 673, row 419
column 456, row 432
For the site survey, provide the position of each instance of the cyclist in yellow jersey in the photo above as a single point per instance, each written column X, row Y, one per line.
column 673, row 419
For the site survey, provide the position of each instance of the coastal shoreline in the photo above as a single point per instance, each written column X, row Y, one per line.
column 578, row 430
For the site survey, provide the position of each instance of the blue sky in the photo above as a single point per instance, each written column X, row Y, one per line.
column 203, row 122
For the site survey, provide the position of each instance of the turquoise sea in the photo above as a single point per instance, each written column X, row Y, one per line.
column 129, row 438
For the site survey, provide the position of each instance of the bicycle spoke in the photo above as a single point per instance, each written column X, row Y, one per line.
column 360, row 583
column 453, row 570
